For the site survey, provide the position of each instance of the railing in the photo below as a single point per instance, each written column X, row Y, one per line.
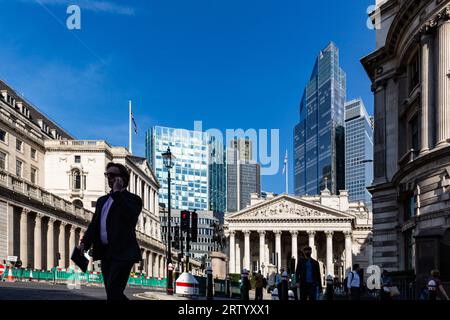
column 76, row 143
column 24, row 187
column 72, row 277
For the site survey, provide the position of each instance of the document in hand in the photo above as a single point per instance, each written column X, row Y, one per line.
column 79, row 259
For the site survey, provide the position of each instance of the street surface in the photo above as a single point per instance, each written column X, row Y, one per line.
column 45, row 291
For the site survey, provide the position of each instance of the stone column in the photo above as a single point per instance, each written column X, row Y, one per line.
column 348, row 251
column 443, row 82
column 247, row 250
column 311, row 243
column 262, row 235
column 232, row 252
column 50, row 243
column 330, row 269
column 294, row 235
column 427, row 84
column 278, row 248
column 72, row 244
column 62, row 244
column 38, row 242
column 238, row 258
column 24, row 237
column 150, row 264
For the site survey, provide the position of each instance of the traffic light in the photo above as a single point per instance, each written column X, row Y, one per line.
column 185, row 217
column 194, row 226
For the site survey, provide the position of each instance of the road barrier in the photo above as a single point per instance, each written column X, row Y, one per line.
column 70, row 276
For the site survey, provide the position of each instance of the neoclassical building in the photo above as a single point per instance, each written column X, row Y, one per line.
column 49, row 183
column 410, row 74
column 271, row 231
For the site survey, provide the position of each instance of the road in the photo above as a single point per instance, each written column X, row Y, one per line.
column 44, row 291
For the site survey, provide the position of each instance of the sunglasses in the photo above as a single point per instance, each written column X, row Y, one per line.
column 111, row 175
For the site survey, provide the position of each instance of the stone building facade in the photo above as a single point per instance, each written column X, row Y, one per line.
column 410, row 74
column 270, row 232
column 48, row 185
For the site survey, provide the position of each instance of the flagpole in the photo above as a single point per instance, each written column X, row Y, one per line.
column 287, row 172
column 130, row 147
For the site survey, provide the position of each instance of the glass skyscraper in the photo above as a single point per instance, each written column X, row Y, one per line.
column 358, row 151
column 319, row 137
column 217, row 176
column 189, row 188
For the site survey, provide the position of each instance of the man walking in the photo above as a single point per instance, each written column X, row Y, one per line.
column 308, row 276
column 112, row 232
column 259, row 286
column 354, row 283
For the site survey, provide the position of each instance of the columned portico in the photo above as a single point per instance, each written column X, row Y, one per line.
column 285, row 225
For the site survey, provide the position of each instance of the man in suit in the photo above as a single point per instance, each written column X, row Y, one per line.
column 307, row 274
column 111, row 233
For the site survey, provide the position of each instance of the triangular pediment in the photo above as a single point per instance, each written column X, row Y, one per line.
column 288, row 207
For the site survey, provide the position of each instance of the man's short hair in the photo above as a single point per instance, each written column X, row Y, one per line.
column 124, row 172
column 307, row 248
column 355, row 266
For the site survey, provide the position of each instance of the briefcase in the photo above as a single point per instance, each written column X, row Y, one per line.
column 79, row 259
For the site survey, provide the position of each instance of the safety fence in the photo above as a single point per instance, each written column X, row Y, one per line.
column 70, row 276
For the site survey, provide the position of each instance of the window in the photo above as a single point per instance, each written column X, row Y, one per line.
column 78, row 203
column 414, row 72
column 33, row 177
column 77, row 159
column 2, row 160
column 2, row 136
column 33, row 154
column 414, row 132
column 19, row 167
column 409, row 206
column 76, row 180
column 19, row 145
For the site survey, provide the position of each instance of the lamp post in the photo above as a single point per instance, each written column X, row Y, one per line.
column 168, row 163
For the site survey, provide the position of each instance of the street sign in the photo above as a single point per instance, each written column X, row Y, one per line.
column 12, row 258
column 2, row 269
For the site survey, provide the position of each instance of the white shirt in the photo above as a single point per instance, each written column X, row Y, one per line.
column 353, row 280
column 104, row 216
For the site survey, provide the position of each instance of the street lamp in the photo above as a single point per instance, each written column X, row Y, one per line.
column 168, row 163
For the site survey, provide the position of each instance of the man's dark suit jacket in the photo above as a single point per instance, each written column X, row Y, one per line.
column 300, row 272
column 120, row 226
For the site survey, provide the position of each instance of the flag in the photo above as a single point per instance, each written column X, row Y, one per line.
column 134, row 123
column 285, row 162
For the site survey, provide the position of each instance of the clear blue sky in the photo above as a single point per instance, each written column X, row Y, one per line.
column 229, row 63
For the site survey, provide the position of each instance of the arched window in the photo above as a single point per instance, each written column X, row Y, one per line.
column 78, row 203
column 76, row 179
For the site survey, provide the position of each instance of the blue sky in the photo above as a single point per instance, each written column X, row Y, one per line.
column 229, row 63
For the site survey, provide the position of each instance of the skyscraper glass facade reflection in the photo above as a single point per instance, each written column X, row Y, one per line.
column 189, row 188
column 358, row 152
column 217, row 176
column 319, row 137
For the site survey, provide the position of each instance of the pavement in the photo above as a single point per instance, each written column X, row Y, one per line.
column 48, row 291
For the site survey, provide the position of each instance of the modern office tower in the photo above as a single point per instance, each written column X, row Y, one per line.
column 358, row 152
column 319, row 143
column 243, row 175
column 217, row 176
column 189, row 187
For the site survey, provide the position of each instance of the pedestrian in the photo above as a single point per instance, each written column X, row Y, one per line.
column 330, row 287
column 307, row 275
column 354, row 283
column 112, row 232
column 434, row 285
column 284, row 292
column 259, row 286
column 245, row 285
